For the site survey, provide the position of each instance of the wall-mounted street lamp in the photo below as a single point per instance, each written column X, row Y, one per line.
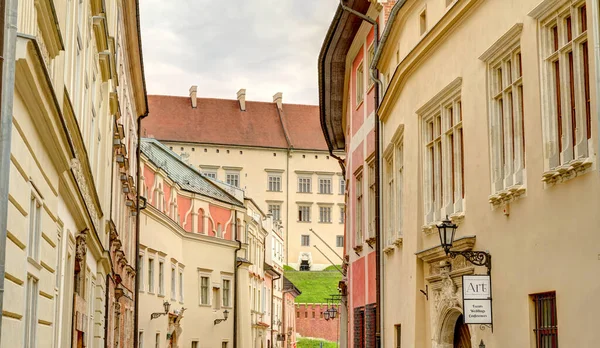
column 166, row 305
column 330, row 313
column 225, row 315
column 478, row 258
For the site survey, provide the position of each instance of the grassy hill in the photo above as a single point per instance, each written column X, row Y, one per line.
column 316, row 286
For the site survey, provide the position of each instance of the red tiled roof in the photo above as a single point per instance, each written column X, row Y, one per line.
column 220, row 121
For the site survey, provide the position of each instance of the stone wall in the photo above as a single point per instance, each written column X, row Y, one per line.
column 310, row 322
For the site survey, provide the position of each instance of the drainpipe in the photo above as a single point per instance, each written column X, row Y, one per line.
column 9, row 41
column 374, row 73
column 235, row 281
column 136, row 303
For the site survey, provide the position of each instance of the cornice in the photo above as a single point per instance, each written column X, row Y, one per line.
column 445, row 93
column 501, row 45
column 437, row 253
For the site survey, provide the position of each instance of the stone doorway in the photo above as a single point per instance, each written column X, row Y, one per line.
column 462, row 336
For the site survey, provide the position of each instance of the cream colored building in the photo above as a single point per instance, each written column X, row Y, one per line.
column 192, row 258
column 70, row 248
column 274, row 151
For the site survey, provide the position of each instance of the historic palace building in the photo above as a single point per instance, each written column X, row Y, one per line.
column 72, row 92
column 275, row 152
column 487, row 115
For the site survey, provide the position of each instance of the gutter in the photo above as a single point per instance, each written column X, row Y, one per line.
column 9, row 43
column 287, row 182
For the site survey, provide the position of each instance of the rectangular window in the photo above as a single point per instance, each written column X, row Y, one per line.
column 546, row 327
column 304, row 213
column 506, row 119
column 212, row 175
column 204, row 290
column 141, row 271
column 371, row 56
column 399, row 163
column 324, row 214
column 359, row 210
column 150, row 275
column 325, row 186
column 342, row 185
column 161, row 278
column 274, row 183
column 31, row 308
column 372, row 199
column 423, row 22
column 157, row 341
column 224, row 344
column 304, row 185
column 339, row 241
column 194, row 344
column 305, row 240
column 35, row 219
column 173, row 284
column 275, row 210
column 398, row 335
column 443, row 163
column 360, row 84
column 141, row 339
column 342, row 215
column 565, row 57
column 226, row 292
column 389, row 200
column 233, row 179
column 180, row 286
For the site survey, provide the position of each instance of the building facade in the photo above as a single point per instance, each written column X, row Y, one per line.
column 498, row 134
column 274, row 151
column 78, row 89
column 290, row 292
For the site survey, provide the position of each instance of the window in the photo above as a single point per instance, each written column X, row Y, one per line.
column 342, row 185
column 339, row 241
column 360, row 77
column 173, row 283
column 371, row 56
column 226, row 292
column 274, row 183
column 305, row 240
column 31, row 320
column 324, row 214
column 210, row 174
column 150, row 275
column 194, row 344
column 35, row 218
column 567, row 113
column 389, row 199
column 141, row 271
column 546, row 327
column 342, row 215
column 304, row 213
column 372, row 199
column 275, row 210
column 359, row 209
column 304, row 185
column 204, row 290
column 423, row 22
column 233, row 179
column 444, row 187
column 161, row 278
column 398, row 335
column 141, row 339
column 298, row 314
column 399, row 161
column 224, row 344
column 325, row 186
column 216, row 300
column 507, row 140
column 180, row 285
column 157, row 341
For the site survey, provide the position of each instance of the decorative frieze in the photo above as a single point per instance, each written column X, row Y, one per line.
column 567, row 171
column 85, row 190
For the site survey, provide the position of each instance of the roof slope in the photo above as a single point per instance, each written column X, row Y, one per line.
column 185, row 176
column 220, row 121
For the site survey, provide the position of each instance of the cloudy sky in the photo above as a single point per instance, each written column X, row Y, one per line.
column 265, row 46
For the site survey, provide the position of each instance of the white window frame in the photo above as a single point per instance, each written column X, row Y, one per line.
column 233, row 178
column 151, row 260
column 161, row 277
column 210, row 174
column 173, row 282
column 204, row 273
column 342, row 214
column 360, row 83
column 342, row 185
column 229, row 297
column 325, row 186
column 141, row 270
column 31, row 311
column 274, row 182
column 304, row 213
column 304, row 184
column 35, row 226
column 359, row 207
column 324, row 214
column 445, row 139
column 276, row 217
column 181, row 278
column 303, row 238
column 339, row 244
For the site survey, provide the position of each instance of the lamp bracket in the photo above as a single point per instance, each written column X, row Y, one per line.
column 156, row 315
column 478, row 258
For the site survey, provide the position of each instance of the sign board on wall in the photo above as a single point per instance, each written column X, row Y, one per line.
column 477, row 299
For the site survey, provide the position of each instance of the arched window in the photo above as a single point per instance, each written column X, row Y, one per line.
column 201, row 218
column 219, row 231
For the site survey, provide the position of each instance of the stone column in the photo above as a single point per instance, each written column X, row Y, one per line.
column 244, row 320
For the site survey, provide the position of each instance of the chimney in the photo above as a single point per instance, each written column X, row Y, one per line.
column 193, row 90
column 278, row 98
column 241, row 96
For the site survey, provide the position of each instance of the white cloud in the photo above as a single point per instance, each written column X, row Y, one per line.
column 265, row 46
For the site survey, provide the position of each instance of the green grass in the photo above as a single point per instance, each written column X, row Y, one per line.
column 333, row 268
column 310, row 343
column 316, row 286
column 287, row 268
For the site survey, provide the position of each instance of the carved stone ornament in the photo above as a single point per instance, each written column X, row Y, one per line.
column 85, row 192
column 81, row 247
column 447, row 296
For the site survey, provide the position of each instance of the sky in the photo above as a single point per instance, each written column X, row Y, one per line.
column 265, row 46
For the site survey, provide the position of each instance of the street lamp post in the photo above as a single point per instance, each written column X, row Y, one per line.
column 225, row 316
column 166, row 306
column 479, row 258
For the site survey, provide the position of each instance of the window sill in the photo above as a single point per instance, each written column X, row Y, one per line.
column 371, row 241
column 204, row 305
column 161, row 295
column 304, row 192
column 507, row 196
column 398, row 242
column 389, row 249
column 431, row 227
column 306, row 222
column 358, row 249
column 325, row 193
column 567, row 171
column 324, row 222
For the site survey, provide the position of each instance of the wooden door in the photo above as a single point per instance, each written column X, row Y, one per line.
column 462, row 336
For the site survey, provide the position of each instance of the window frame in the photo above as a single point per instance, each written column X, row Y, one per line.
column 270, row 206
column 339, row 238
column 305, row 240
column 226, row 293
column 359, row 206
column 35, row 225
column 205, row 274
column 304, row 210
column 360, row 83
column 325, row 184
column 324, row 213
column 304, row 184
column 233, row 178
column 151, row 260
column 274, row 182
column 538, row 314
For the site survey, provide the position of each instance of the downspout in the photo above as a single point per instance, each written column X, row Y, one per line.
column 236, row 264
column 9, row 40
column 136, row 303
column 108, row 278
column 374, row 73
column 287, row 180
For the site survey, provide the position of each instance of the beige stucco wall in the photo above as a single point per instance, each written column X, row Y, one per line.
column 253, row 165
column 548, row 239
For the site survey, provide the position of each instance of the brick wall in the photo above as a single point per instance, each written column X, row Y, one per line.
column 370, row 326
column 311, row 323
column 359, row 327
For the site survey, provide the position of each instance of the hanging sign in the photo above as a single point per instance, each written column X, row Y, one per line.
column 477, row 299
